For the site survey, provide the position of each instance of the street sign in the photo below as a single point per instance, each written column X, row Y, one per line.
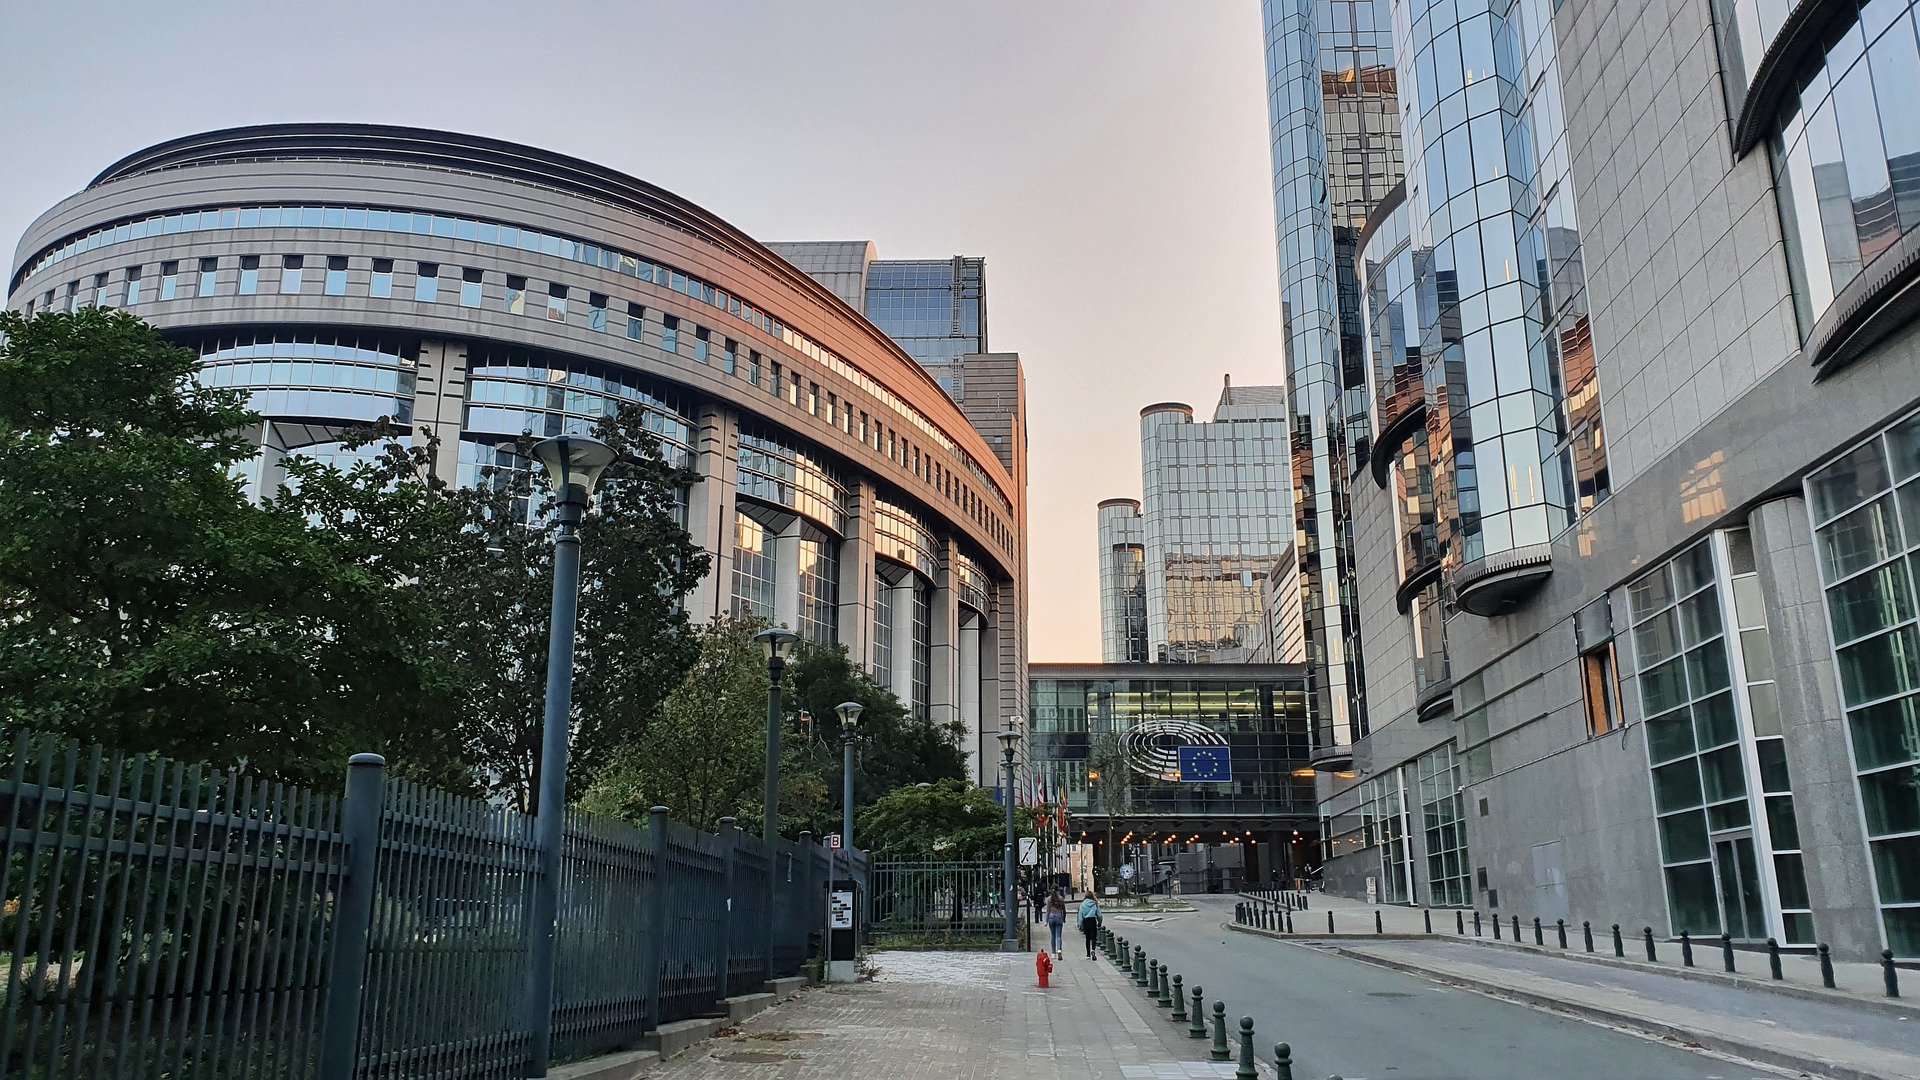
column 833, row 841
column 840, row 911
column 1029, row 851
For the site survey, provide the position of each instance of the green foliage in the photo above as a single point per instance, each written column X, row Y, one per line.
column 704, row 757
column 892, row 747
column 949, row 821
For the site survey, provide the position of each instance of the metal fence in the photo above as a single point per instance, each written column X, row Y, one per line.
column 937, row 905
column 163, row 920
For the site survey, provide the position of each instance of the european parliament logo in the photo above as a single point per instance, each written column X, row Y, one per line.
column 1206, row 764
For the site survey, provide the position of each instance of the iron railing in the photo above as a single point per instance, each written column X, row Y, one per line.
column 168, row 921
column 937, row 904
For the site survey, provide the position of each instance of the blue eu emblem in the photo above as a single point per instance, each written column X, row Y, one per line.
column 1205, row 764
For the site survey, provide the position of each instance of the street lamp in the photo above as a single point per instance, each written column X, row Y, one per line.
column 777, row 644
column 1009, row 740
column 849, row 718
column 574, row 464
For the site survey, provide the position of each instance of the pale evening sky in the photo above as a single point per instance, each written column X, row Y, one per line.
column 1109, row 159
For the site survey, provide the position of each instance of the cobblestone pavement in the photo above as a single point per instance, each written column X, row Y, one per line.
column 959, row 1015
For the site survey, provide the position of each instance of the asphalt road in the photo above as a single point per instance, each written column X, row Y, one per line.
column 1368, row 1023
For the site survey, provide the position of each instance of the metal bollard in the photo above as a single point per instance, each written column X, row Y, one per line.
column 1586, row 931
column 1726, row 950
column 1648, row 934
column 1139, row 966
column 1153, row 980
column 1496, row 929
column 1773, row 960
column 1329, row 920
column 1826, row 968
column 1199, row 1028
column 1378, row 928
column 1516, row 929
column 1246, row 1071
column 1560, row 928
column 1460, row 922
column 1289, row 922
column 1283, row 1062
column 1889, row 973
column 1476, row 922
column 1428, row 917
column 1686, row 949
column 1240, row 913
column 1165, row 997
column 1537, row 939
column 1179, row 1014
column 1619, row 947
column 1220, row 1051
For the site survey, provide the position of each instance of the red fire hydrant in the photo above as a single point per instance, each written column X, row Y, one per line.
column 1043, row 967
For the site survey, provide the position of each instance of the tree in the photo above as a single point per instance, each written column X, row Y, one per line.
column 893, row 748
column 145, row 603
column 948, row 821
column 704, row 757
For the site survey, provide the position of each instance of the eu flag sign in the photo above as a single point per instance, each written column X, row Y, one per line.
column 1205, row 764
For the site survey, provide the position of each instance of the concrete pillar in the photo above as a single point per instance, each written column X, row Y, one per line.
column 440, row 399
column 786, row 576
column 855, row 613
column 710, row 506
column 943, row 703
column 968, row 695
column 902, row 676
column 1826, row 797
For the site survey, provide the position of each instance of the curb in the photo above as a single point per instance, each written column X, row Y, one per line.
column 1900, row 1008
column 1764, row 1055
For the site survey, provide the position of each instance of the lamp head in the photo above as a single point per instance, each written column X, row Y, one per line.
column 777, row 644
column 574, row 465
column 849, row 713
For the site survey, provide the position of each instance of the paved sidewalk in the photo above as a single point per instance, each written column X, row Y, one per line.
column 959, row 1016
column 1827, row 1038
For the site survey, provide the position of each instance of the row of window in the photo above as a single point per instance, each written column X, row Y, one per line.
column 531, row 240
column 671, row 334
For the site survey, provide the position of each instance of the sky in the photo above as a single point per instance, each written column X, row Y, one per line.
column 1108, row 158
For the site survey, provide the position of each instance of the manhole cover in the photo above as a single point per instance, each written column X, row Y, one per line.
column 1389, row 994
column 754, row 1057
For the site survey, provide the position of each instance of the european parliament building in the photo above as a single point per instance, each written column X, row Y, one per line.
column 478, row 289
column 1606, row 381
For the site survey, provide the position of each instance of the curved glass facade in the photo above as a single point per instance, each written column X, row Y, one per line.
column 794, row 478
column 1846, row 156
column 314, row 376
column 1396, row 376
column 819, row 567
column 511, row 392
column 899, row 534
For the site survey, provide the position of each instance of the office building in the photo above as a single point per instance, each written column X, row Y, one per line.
column 1108, row 739
column 1637, row 532
column 1214, row 518
column 479, row 289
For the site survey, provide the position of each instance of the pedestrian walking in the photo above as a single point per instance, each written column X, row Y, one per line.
column 1056, row 919
column 1089, row 922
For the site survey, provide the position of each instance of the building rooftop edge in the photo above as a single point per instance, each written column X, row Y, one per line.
column 1202, row 672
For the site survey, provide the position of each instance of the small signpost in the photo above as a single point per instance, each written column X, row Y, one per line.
column 833, row 841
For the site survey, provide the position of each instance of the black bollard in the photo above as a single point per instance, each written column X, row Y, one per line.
column 1586, row 931
column 1179, row 1015
column 1560, row 928
column 1246, row 1071
column 1428, row 917
column 1240, row 913
column 1889, row 973
column 1826, row 968
column 1220, row 1051
column 1648, row 934
column 1476, row 922
column 1139, row 966
column 1537, row 939
column 1496, row 929
column 1329, row 920
column 1516, row 929
column 1686, row 949
column 1726, row 950
column 1289, row 922
column 1377, row 927
column 1165, row 997
column 1199, row 1028
column 1460, row 922
column 1283, row 1062
column 1773, row 960
column 1619, row 947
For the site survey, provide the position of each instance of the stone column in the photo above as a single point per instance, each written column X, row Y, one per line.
column 786, row 576
column 943, row 632
column 903, row 639
column 855, row 613
column 1826, row 797
column 968, row 696
column 710, row 506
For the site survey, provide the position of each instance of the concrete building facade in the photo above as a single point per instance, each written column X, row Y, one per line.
column 480, row 289
column 1636, row 536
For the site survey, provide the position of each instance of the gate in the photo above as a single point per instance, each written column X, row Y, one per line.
column 937, row 905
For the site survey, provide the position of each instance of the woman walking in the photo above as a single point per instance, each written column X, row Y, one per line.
column 1056, row 919
column 1089, row 922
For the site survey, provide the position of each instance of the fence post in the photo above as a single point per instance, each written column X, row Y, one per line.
column 352, row 917
column 657, row 914
column 722, row 963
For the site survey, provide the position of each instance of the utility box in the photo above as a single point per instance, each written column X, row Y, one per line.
column 843, row 930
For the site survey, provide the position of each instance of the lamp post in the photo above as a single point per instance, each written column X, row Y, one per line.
column 849, row 717
column 777, row 645
column 574, row 464
column 1009, row 740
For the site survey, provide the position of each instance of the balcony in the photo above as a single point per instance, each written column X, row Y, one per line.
column 1498, row 584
